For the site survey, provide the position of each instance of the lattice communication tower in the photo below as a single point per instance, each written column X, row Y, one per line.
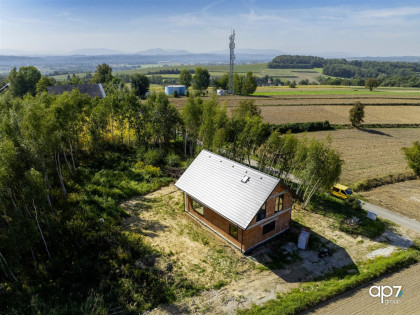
column 232, row 61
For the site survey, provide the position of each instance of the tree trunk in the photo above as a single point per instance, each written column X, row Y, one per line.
column 39, row 227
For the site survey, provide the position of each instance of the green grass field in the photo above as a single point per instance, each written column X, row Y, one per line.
column 259, row 69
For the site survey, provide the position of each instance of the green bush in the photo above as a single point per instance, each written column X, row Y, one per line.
column 153, row 157
column 172, row 159
column 371, row 183
column 302, row 127
column 412, row 155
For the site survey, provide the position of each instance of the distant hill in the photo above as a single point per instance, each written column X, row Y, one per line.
column 96, row 51
column 163, row 52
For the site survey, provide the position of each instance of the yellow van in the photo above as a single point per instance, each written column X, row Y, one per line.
column 342, row 192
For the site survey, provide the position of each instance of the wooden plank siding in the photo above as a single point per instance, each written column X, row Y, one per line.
column 253, row 234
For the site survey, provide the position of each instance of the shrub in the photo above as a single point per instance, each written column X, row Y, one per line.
column 141, row 150
column 412, row 156
column 175, row 93
column 153, row 171
column 302, row 127
column 153, row 157
column 139, row 165
column 371, row 183
column 172, row 159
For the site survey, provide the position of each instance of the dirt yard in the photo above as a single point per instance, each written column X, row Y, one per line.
column 230, row 279
column 370, row 153
column 402, row 197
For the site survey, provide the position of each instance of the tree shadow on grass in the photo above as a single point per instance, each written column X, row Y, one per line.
column 136, row 223
column 375, row 132
column 282, row 257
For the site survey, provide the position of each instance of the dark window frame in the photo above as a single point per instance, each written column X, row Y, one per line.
column 233, row 231
column 195, row 209
column 277, row 203
column 262, row 213
column 267, row 228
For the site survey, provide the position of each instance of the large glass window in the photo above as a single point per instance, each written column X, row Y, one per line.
column 198, row 207
column 262, row 212
column 269, row 227
column 279, row 203
column 233, row 230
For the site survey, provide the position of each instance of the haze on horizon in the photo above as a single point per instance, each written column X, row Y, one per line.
column 362, row 28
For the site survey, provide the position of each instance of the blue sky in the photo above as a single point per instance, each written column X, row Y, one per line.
column 362, row 28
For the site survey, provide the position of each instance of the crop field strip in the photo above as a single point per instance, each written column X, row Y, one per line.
column 403, row 198
column 370, row 153
column 336, row 114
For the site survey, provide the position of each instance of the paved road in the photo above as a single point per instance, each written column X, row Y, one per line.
column 359, row 301
column 392, row 216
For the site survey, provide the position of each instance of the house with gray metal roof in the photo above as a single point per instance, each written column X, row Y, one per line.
column 93, row 90
column 243, row 205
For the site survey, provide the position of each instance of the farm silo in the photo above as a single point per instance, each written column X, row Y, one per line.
column 180, row 89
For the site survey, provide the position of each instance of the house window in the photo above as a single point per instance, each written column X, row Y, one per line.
column 198, row 207
column 279, row 203
column 233, row 230
column 262, row 212
column 269, row 227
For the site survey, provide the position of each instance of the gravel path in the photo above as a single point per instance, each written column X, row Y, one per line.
column 392, row 216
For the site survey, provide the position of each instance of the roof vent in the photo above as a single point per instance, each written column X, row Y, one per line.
column 245, row 179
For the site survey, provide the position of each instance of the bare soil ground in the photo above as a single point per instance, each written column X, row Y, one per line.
column 199, row 255
column 403, row 198
column 358, row 301
column 305, row 100
column 340, row 114
column 370, row 153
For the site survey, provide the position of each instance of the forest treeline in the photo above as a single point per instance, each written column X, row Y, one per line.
column 67, row 161
column 354, row 71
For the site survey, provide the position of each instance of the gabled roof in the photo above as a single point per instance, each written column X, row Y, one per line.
column 92, row 90
column 221, row 185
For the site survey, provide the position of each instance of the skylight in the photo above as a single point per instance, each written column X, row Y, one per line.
column 245, row 179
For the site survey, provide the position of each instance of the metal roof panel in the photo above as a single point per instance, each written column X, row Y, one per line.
column 217, row 182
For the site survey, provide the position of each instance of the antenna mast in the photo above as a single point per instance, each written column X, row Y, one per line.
column 232, row 61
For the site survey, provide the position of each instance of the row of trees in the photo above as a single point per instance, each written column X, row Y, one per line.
column 354, row 72
column 315, row 163
column 243, row 85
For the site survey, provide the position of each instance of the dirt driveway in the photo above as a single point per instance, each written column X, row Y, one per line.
column 231, row 280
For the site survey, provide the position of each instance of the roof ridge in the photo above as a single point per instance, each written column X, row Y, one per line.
column 243, row 165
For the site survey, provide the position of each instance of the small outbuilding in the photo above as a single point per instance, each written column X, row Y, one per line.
column 93, row 90
column 180, row 89
column 222, row 92
column 244, row 206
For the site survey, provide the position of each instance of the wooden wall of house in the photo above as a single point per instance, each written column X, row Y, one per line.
column 215, row 221
column 253, row 235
